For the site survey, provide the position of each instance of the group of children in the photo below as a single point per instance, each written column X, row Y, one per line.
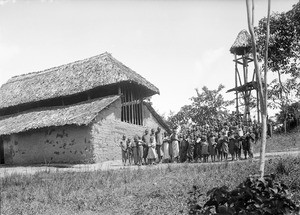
column 189, row 145
column 218, row 141
column 152, row 148
column 216, row 146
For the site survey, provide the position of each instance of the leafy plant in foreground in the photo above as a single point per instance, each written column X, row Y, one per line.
column 253, row 196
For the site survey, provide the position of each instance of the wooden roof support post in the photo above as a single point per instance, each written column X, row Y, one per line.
column 248, row 91
column 236, row 83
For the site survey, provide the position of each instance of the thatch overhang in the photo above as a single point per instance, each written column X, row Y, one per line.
column 242, row 43
column 159, row 119
column 248, row 86
column 70, row 79
column 80, row 114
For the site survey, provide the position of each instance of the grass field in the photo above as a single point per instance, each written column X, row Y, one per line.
column 142, row 191
column 282, row 142
column 150, row 191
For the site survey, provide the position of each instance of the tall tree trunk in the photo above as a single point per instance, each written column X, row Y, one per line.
column 262, row 90
column 284, row 125
column 263, row 145
column 283, row 96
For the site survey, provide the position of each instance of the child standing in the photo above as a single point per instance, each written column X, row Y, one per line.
column 135, row 149
column 146, row 140
column 123, row 146
column 231, row 145
column 140, row 151
column 212, row 147
column 175, row 146
column 224, row 141
column 219, row 147
column 204, row 149
column 197, row 153
column 166, row 143
column 238, row 146
column 129, row 151
column 151, row 151
column 191, row 144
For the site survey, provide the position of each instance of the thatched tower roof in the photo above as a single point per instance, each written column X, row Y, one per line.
column 80, row 114
column 70, row 79
column 242, row 43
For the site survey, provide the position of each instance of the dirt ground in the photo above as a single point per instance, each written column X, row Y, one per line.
column 108, row 165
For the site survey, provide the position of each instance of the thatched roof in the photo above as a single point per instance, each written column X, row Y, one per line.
column 159, row 119
column 248, row 86
column 79, row 114
column 70, row 79
column 242, row 43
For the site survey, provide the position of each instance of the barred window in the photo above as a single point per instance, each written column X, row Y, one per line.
column 132, row 106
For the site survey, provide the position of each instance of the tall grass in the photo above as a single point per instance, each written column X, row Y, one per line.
column 282, row 142
column 147, row 191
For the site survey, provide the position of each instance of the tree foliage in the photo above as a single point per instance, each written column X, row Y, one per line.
column 207, row 105
column 180, row 118
column 283, row 57
column 284, row 47
column 289, row 116
column 283, row 50
column 282, row 94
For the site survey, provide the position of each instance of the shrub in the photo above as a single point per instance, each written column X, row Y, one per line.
column 253, row 196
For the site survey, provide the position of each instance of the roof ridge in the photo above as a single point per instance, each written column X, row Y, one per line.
column 119, row 63
column 49, row 70
column 70, row 79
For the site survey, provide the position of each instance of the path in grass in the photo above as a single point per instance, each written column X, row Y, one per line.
column 113, row 165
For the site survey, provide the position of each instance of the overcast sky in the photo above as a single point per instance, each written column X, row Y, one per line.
column 178, row 45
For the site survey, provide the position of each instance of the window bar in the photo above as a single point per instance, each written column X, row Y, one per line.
column 141, row 104
column 140, row 109
column 135, row 114
column 122, row 101
column 131, row 105
column 127, row 107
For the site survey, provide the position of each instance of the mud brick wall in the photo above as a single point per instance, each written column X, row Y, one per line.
column 108, row 129
column 97, row 142
column 67, row 144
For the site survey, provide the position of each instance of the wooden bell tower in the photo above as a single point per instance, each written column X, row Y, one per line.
column 245, row 80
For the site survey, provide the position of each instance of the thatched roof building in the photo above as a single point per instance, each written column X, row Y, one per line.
column 74, row 113
column 242, row 43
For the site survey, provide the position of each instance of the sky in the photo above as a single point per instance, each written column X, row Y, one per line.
column 178, row 45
